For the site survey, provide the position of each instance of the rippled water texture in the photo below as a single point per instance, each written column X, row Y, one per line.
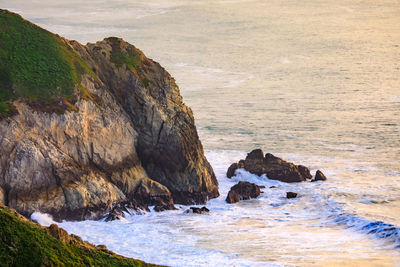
column 316, row 82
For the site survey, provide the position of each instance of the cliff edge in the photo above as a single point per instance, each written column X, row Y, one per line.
column 86, row 127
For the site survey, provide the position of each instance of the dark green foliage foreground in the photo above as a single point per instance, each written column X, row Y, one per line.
column 35, row 65
column 24, row 243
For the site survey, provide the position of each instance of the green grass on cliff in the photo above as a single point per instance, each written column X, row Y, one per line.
column 35, row 65
column 23, row 243
column 130, row 57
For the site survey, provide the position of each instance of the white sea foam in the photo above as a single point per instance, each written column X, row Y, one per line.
column 250, row 233
column 42, row 218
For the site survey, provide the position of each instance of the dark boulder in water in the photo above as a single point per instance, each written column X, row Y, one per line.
column 241, row 164
column 231, row 170
column 319, row 176
column 243, row 191
column 291, row 195
column 275, row 168
column 232, row 197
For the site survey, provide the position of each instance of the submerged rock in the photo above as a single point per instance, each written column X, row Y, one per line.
column 275, row 168
column 319, row 176
column 119, row 210
column 243, row 191
column 118, row 132
column 291, row 195
column 199, row 210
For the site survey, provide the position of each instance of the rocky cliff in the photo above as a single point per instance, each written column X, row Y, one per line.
column 86, row 127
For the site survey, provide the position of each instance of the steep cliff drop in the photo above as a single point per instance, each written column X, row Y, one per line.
column 85, row 128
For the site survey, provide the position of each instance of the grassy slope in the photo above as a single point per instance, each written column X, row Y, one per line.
column 24, row 243
column 35, row 65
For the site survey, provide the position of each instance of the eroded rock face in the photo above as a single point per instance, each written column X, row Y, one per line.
column 168, row 145
column 243, row 191
column 275, row 168
column 133, row 139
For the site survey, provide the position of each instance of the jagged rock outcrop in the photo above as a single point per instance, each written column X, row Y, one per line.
column 122, row 134
column 319, row 176
column 275, row 168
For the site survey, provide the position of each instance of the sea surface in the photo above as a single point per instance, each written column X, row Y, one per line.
column 315, row 82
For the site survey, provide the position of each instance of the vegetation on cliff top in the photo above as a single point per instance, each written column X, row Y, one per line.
column 35, row 65
column 24, row 243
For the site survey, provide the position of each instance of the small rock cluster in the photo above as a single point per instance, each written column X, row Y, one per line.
column 274, row 168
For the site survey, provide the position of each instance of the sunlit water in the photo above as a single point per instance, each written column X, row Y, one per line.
column 315, row 82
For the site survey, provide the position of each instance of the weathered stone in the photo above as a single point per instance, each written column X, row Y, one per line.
column 168, row 145
column 241, row 164
column 291, row 194
column 128, row 139
column 275, row 168
column 232, row 197
column 243, row 191
column 319, row 176
column 231, row 170
column 153, row 193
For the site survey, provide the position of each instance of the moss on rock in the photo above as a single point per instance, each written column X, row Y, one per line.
column 24, row 243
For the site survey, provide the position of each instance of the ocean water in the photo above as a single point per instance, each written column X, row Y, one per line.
column 314, row 82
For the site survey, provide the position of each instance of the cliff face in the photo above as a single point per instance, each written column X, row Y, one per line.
column 122, row 132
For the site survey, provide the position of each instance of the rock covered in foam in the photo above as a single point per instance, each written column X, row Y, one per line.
column 197, row 210
column 275, row 168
